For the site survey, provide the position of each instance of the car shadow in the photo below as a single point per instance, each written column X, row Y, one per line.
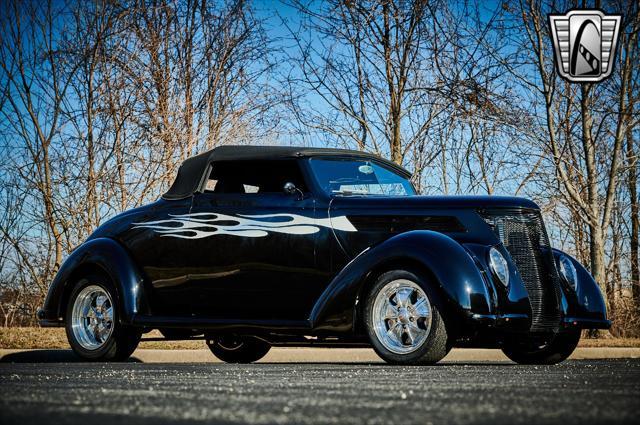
column 383, row 364
column 49, row 356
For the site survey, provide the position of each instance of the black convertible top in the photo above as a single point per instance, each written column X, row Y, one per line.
column 194, row 171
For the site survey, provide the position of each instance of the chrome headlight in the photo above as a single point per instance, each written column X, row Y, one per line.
column 499, row 266
column 568, row 271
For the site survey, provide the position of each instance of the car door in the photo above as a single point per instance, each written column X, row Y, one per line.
column 254, row 256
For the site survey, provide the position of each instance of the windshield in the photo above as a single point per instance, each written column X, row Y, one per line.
column 358, row 177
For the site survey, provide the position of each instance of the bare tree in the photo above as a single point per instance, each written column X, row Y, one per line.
column 36, row 85
column 101, row 100
column 633, row 168
column 364, row 61
column 585, row 142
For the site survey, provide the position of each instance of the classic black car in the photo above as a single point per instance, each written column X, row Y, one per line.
column 254, row 247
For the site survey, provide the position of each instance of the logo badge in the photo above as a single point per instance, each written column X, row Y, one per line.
column 585, row 44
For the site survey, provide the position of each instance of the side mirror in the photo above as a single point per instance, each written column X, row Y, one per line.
column 291, row 189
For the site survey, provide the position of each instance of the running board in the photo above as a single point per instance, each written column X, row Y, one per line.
column 296, row 326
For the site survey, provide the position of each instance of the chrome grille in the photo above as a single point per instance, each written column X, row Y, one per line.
column 525, row 237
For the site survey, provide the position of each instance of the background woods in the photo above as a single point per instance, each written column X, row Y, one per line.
column 101, row 101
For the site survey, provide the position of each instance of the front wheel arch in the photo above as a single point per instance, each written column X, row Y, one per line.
column 459, row 278
column 412, row 266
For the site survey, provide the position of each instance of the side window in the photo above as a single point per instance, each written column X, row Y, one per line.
column 254, row 177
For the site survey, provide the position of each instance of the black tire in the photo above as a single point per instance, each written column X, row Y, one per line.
column 436, row 345
column 122, row 341
column 558, row 349
column 238, row 349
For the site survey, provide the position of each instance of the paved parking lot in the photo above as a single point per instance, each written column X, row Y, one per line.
column 577, row 391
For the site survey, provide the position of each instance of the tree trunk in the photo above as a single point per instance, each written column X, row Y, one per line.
column 596, row 252
column 395, row 143
column 632, row 182
column 596, row 240
column 596, row 248
column 47, row 194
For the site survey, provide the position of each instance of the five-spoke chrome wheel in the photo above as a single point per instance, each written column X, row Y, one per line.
column 402, row 316
column 92, row 317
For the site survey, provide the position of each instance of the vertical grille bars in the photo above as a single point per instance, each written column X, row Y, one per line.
column 525, row 237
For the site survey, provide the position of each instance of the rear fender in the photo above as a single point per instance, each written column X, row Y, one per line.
column 456, row 276
column 101, row 254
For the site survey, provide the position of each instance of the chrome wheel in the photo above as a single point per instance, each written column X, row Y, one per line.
column 402, row 316
column 92, row 317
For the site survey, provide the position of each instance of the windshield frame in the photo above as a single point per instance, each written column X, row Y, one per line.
column 319, row 187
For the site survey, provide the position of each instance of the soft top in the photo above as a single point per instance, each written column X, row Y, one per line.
column 194, row 171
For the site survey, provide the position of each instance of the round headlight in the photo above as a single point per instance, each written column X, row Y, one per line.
column 499, row 266
column 568, row 271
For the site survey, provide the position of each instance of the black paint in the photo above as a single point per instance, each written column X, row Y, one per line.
column 310, row 284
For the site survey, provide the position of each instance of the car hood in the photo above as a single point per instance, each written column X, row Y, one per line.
column 376, row 218
column 433, row 202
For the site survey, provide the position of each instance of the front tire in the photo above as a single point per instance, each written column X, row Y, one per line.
column 92, row 326
column 238, row 349
column 403, row 320
column 558, row 349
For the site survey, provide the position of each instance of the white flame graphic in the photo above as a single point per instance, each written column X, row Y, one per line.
column 204, row 224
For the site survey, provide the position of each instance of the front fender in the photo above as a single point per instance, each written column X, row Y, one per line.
column 104, row 254
column 584, row 306
column 454, row 271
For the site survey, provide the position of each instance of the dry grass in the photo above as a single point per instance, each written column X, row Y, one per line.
column 609, row 342
column 48, row 338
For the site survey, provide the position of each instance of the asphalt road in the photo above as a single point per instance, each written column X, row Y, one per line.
column 577, row 391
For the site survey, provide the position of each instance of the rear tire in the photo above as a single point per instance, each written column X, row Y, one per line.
column 92, row 322
column 403, row 320
column 238, row 349
column 555, row 351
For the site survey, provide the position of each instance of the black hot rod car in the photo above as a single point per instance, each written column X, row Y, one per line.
column 254, row 247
